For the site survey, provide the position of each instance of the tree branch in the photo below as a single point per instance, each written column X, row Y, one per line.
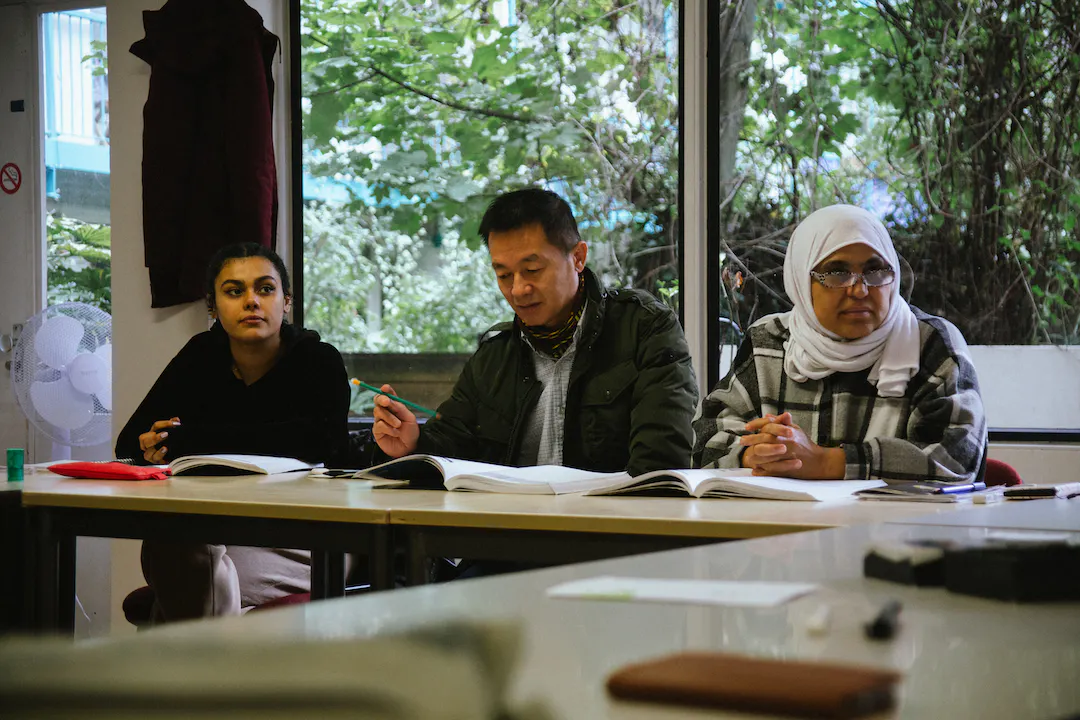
column 346, row 86
column 452, row 104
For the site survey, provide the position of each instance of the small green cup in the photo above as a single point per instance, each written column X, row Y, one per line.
column 15, row 464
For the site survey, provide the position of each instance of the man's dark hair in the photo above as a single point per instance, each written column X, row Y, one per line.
column 532, row 206
column 240, row 251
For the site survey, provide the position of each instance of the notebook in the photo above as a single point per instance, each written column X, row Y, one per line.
column 236, row 465
column 733, row 483
column 434, row 473
column 928, row 492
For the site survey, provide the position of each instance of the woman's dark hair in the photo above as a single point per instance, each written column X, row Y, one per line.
column 533, row 206
column 240, row 251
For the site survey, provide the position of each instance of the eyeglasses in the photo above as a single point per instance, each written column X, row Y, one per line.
column 845, row 278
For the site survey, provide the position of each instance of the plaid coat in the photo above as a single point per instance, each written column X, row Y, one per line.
column 936, row 431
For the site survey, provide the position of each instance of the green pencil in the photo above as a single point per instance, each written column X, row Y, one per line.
column 395, row 398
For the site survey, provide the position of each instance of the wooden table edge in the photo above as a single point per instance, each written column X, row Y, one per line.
column 234, row 508
column 600, row 524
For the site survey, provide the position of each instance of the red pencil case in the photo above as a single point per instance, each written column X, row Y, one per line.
column 109, row 471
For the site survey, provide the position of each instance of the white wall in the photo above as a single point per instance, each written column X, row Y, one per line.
column 1029, row 387
column 146, row 339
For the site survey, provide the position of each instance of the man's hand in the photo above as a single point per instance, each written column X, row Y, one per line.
column 779, row 447
column 396, row 431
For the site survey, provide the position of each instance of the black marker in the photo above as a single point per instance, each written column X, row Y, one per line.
column 883, row 626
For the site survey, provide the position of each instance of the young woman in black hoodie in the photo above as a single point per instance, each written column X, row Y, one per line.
column 252, row 384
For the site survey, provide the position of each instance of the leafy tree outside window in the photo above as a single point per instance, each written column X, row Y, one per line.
column 957, row 122
column 418, row 115
column 79, row 262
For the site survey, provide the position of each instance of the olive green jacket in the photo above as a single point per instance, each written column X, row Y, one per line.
column 630, row 400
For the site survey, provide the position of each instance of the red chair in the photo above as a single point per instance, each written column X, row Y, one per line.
column 1000, row 473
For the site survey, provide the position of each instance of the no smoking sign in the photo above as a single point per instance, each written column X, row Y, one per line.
column 10, row 178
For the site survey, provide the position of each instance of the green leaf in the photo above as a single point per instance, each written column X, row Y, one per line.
column 462, row 190
column 322, row 121
column 484, row 58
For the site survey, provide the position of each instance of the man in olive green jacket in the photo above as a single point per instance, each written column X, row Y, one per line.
column 584, row 377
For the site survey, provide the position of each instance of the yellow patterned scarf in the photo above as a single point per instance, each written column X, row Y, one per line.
column 556, row 342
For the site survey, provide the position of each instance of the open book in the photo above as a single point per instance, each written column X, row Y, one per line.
column 734, row 483
column 434, row 472
column 235, row 465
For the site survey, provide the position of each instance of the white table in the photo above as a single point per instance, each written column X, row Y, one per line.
column 550, row 530
column 1051, row 514
column 961, row 657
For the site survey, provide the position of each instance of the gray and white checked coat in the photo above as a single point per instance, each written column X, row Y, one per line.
column 936, row 431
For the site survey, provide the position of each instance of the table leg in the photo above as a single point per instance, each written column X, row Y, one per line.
column 65, row 583
column 16, row 606
column 381, row 559
column 416, row 550
column 327, row 574
column 46, row 573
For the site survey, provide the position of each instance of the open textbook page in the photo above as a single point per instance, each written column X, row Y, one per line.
column 734, row 483
column 236, row 465
column 434, row 472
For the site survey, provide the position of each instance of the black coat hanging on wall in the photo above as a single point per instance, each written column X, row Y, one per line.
column 208, row 171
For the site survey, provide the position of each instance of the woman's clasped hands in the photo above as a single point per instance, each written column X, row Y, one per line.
column 776, row 446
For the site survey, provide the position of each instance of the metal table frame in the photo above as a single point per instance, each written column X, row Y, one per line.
column 51, row 532
column 537, row 547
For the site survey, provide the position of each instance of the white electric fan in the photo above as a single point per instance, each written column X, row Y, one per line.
column 61, row 374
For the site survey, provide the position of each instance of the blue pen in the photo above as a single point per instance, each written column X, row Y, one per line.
column 957, row 489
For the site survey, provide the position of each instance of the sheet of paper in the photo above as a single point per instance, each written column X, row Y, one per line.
column 697, row 592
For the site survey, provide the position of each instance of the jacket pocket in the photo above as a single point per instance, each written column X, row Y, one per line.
column 606, row 404
column 608, row 386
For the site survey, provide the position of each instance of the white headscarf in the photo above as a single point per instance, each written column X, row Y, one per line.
column 812, row 352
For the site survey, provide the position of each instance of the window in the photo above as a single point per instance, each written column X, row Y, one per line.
column 416, row 115
column 961, row 130
column 76, row 117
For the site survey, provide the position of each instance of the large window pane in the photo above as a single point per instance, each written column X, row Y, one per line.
column 76, row 119
column 416, row 115
column 957, row 123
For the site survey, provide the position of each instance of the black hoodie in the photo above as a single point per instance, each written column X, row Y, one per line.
column 298, row 409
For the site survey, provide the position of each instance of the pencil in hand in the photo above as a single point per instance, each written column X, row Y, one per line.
column 395, row 398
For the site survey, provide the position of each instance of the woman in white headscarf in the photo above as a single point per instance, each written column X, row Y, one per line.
column 851, row 383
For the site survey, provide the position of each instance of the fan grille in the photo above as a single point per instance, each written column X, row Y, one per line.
column 27, row 367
